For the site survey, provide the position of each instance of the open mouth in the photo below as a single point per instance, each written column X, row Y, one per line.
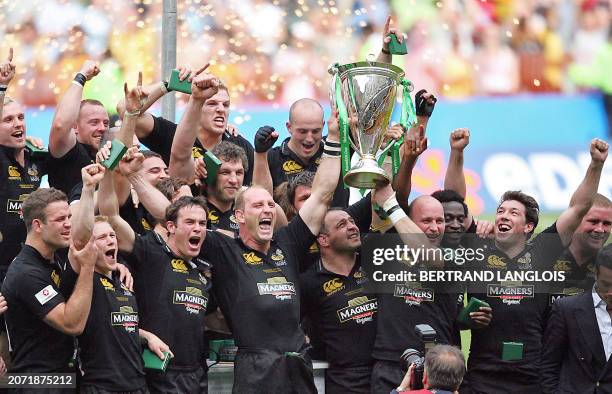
column 18, row 134
column 503, row 228
column 219, row 121
column 194, row 241
column 308, row 146
column 265, row 224
column 110, row 253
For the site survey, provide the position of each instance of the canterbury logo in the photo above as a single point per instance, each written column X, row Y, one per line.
column 496, row 261
column 291, row 167
column 212, row 216
column 55, row 278
column 251, row 258
column 178, row 265
column 145, row 225
column 196, row 153
column 332, row 285
column 107, row 285
column 561, row 265
column 13, row 172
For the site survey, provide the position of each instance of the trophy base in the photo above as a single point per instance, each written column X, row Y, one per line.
column 366, row 175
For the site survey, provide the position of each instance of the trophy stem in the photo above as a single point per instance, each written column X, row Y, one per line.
column 366, row 174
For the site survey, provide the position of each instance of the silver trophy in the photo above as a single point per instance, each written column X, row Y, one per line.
column 367, row 90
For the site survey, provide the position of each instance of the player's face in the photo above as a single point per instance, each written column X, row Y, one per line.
column 342, row 233
column 302, row 193
column 189, row 230
column 229, row 180
column 92, row 123
column 12, row 126
column 215, row 112
column 259, row 215
column 154, row 170
column 454, row 220
column 55, row 231
column 604, row 284
column 511, row 222
column 306, row 129
column 595, row 227
column 428, row 215
column 106, row 242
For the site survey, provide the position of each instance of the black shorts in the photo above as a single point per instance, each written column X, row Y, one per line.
column 176, row 381
column 265, row 371
column 488, row 382
column 386, row 376
column 348, row 380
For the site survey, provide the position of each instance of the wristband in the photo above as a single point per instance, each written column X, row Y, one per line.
column 3, row 88
column 390, row 203
column 397, row 215
column 80, row 79
column 385, row 51
column 331, row 148
column 163, row 86
column 135, row 113
column 330, row 154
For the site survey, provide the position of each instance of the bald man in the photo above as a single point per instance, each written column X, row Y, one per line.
column 303, row 149
column 416, row 303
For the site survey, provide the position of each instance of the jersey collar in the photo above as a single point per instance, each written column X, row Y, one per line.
column 287, row 152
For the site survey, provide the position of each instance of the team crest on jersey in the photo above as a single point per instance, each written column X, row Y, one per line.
column 179, row 265
column 524, row 262
column 278, row 287
column 107, row 284
column 414, row 293
column 213, row 217
column 192, row 298
column 511, row 293
column 13, row 173
column 55, row 278
column 252, row 259
column 127, row 318
column 360, row 310
column 562, row 265
column 291, row 167
column 496, row 262
column 278, row 257
column 233, row 222
column 333, row 286
column 126, row 291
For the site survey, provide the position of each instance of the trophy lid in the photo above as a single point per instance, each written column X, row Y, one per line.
column 369, row 67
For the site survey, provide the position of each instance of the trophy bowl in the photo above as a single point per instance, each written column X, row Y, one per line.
column 368, row 93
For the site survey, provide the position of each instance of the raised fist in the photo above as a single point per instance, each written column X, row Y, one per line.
column 459, row 139
column 90, row 69
column 599, row 150
column 425, row 103
column 265, row 138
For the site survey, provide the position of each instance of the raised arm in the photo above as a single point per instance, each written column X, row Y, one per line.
column 62, row 138
column 265, row 138
column 385, row 56
column 203, row 87
column 71, row 316
column 83, row 215
column 455, row 178
column 7, row 72
column 135, row 100
column 582, row 199
column 144, row 121
column 108, row 206
column 326, row 179
column 414, row 144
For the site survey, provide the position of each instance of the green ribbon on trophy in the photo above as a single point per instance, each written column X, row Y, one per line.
column 366, row 90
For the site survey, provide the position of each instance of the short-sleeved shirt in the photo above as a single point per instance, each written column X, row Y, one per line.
column 519, row 308
column 16, row 183
column 65, row 171
column 173, row 296
column 110, row 353
column 578, row 277
column 219, row 220
column 284, row 164
column 259, row 292
column 160, row 141
column 341, row 313
column 32, row 289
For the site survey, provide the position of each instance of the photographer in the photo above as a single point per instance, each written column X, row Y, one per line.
column 444, row 369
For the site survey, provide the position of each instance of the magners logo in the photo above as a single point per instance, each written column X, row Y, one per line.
column 278, row 287
column 192, row 298
column 361, row 310
column 511, row 293
column 126, row 318
column 179, row 266
column 291, row 167
column 252, row 258
column 414, row 294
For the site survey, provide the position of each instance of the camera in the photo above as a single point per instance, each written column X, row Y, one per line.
column 413, row 356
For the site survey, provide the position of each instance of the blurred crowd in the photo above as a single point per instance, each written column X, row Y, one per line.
column 277, row 51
